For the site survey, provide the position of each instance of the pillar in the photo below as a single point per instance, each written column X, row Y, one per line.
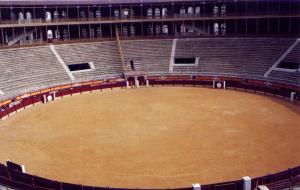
column 214, row 83
column 224, row 84
column 147, row 83
column 292, row 96
column 44, row 98
column 136, row 82
column 23, row 168
column 127, row 84
column 247, row 183
column 41, row 35
column 196, row 186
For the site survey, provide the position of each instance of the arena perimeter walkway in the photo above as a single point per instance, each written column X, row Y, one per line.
column 154, row 137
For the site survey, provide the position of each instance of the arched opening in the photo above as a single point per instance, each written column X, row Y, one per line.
column 49, row 36
column 131, row 81
column 142, row 80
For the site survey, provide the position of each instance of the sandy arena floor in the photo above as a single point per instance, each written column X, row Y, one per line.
column 154, row 137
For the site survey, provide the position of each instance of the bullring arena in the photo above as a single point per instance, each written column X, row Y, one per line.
column 146, row 94
column 161, row 137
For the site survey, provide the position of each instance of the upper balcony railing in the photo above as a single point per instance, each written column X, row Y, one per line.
column 175, row 17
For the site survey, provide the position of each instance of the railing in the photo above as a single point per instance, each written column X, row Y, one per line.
column 287, row 179
column 132, row 18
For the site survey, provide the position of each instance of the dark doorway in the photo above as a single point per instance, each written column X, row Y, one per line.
column 131, row 81
column 132, row 65
column 142, row 80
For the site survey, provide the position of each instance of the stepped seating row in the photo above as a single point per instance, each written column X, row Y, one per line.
column 27, row 69
column 290, row 77
column 31, row 68
column 246, row 57
column 105, row 57
column 150, row 56
column 294, row 55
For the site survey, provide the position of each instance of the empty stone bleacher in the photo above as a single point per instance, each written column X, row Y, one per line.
column 32, row 68
column 151, row 56
column 284, row 76
column 28, row 69
column 294, row 55
column 105, row 57
column 231, row 56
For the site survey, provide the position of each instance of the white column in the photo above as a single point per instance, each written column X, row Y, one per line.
column 214, row 83
column 147, row 83
column 247, row 183
column 45, row 99
column 127, row 83
column 136, row 82
column 292, row 96
column 196, row 186
column 23, row 168
column 224, row 84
